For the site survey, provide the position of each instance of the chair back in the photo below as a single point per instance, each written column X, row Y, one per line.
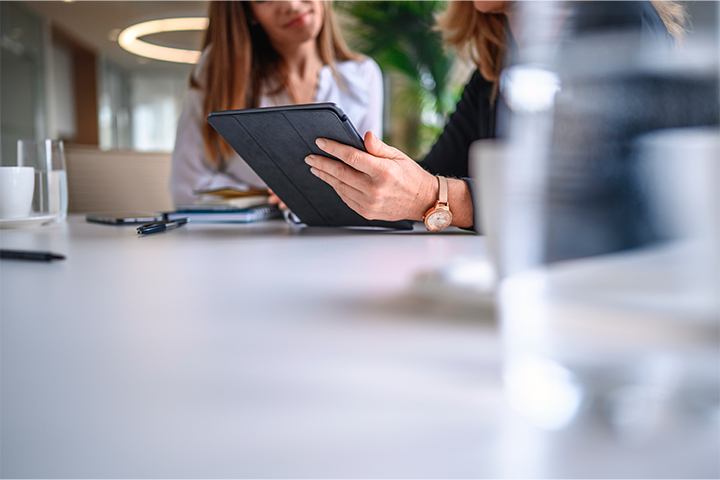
column 117, row 180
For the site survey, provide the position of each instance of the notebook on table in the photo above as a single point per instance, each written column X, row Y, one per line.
column 224, row 213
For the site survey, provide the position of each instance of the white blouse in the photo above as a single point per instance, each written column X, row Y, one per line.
column 360, row 97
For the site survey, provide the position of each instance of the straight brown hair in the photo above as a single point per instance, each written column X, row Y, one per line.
column 242, row 61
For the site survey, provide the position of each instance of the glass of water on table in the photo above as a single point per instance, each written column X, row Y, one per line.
column 51, row 191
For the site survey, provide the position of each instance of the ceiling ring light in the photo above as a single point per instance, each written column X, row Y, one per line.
column 129, row 39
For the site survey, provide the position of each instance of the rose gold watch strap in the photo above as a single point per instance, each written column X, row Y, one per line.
column 443, row 190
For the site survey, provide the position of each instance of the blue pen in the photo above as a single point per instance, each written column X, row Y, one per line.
column 158, row 227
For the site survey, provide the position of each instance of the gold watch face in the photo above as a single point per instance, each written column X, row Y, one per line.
column 438, row 219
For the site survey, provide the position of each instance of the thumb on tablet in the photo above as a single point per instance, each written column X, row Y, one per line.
column 377, row 148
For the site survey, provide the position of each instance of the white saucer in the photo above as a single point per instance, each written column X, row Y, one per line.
column 26, row 221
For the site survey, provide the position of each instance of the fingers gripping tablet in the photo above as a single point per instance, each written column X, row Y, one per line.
column 274, row 141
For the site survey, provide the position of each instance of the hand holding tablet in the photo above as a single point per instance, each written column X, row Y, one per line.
column 275, row 141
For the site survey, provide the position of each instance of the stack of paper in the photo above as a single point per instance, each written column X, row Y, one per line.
column 232, row 197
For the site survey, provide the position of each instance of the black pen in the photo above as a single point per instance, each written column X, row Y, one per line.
column 158, row 227
column 25, row 255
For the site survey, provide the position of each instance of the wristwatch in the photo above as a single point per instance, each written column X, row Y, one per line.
column 439, row 216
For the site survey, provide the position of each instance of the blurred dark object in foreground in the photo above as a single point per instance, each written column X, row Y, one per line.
column 618, row 82
column 595, row 202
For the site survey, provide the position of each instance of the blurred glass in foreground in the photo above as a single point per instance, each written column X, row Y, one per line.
column 607, row 242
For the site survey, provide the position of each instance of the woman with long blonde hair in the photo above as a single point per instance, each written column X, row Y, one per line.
column 257, row 54
column 385, row 184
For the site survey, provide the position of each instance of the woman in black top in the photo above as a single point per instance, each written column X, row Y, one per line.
column 385, row 184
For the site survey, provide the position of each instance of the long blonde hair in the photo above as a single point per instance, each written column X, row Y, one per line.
column 241, row 61
column 482, row 37
column 675, row 17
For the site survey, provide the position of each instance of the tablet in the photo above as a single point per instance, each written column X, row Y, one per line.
column 274, row 141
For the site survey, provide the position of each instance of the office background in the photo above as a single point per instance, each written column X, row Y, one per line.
column 65, row 76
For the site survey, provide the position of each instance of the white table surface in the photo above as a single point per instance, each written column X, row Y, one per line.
column 265, row 351
column 241, row 351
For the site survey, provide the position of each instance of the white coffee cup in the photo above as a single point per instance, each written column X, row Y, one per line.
column 16, row 191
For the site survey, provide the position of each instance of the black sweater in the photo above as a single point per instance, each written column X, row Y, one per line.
column 473, row 119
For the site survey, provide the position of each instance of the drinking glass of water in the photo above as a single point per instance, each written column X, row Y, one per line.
column 48, row 159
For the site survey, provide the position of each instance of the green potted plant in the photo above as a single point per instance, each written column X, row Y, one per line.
column 399, row 35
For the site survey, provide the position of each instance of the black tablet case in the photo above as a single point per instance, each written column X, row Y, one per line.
column 274, row 141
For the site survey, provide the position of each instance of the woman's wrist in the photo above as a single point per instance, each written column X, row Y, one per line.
column 426, row 197
column 460, row 203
